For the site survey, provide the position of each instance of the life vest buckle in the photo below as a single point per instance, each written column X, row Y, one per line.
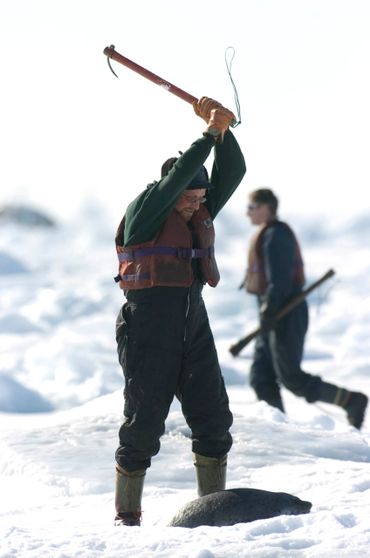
column 184, row 253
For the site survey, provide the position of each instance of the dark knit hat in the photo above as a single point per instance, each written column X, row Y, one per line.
column 200, row 180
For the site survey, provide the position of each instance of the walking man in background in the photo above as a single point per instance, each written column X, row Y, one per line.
column 275, row 274
column 165, row 246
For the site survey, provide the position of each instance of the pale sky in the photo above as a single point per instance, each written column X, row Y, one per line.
column 71, row 130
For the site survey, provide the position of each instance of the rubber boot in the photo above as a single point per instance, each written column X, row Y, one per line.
column 210, row 473
column 353, row 402
column 129, row 491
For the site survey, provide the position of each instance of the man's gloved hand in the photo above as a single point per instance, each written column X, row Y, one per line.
column 219, row 121
column 218, row 118
column 267, row 318
column 203, row 107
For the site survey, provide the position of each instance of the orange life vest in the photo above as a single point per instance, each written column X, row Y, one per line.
column 255, row 281
column 167, row 259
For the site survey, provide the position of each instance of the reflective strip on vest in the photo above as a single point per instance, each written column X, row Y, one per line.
column 131, row 277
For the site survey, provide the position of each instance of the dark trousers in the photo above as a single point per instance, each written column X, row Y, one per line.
column 277, row 360
column 166, row 349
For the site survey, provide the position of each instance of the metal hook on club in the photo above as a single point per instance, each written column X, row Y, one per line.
column 109, row 64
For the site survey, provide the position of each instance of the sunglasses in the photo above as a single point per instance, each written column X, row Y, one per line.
column 252, row 206
column 194, row 199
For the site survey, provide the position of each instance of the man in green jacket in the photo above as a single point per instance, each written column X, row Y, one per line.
column 165, row 246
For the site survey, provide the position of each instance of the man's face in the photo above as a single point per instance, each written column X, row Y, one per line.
column 189, row 202
column 259, row 213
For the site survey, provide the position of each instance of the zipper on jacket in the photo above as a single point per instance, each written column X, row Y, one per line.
column 187, row 311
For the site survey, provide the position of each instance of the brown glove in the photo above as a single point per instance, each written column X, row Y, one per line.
column 219, row 121
column 203, row 107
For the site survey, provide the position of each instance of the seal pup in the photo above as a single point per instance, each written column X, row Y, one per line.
column 238, row 505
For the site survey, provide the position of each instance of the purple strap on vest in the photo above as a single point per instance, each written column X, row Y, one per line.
column 185, row 253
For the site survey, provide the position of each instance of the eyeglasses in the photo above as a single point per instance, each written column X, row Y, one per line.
column 193, row 199
column 252, row 206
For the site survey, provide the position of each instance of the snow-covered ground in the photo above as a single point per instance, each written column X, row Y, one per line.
column 61, row 401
